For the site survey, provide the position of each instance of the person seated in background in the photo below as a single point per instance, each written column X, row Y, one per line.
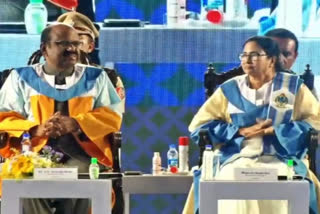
column 87, row 31
column 259, row 119
column 69, row 106
column 289, row 45
column 88, row 34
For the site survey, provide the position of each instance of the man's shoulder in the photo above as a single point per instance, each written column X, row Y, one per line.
column 21, row 71
column 91, row 72
column 29, row 67
column 88, row 67
column 109, row 71
column 112, row 73
column 17, row 74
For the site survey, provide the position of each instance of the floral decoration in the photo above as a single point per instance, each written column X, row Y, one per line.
column 21, row 166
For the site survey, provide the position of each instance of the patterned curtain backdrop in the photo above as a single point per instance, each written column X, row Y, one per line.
column 161, row 101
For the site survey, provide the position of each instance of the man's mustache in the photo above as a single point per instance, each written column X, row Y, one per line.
column 67, row 53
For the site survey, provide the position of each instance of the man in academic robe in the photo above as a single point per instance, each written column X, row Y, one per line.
column 69, row 106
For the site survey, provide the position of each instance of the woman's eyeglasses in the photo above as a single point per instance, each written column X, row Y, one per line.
column 254, row 56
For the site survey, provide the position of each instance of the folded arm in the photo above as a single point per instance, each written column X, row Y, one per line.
column 213, row 117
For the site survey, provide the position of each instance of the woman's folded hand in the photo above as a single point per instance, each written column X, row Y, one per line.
column 261, row 128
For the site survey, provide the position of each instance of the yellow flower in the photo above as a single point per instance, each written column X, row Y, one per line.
column 22, row 165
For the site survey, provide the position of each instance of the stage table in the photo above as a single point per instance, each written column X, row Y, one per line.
column 296, row 192
column 99, row 191
column 151, row 184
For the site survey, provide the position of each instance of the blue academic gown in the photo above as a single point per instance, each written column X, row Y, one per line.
column 289, row 141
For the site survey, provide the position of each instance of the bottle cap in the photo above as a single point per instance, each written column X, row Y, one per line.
column 215, row 16
column 183, row 141
column 208, row 146
column 36, row 1
column 26, row 135
column 265, row 24
column 290, row 162
column 94, row 160
column 172, row 146
column 173, row 169
column 156, row 154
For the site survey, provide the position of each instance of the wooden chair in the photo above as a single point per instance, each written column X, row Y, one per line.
column 212, row 80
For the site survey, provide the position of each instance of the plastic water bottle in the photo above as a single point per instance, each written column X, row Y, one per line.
column 172, row 13
column 94, row 169
column 290, row 172
column 172, row 159
column 216, row 163
column 207, row 164
column 236, row 9
column 290, row 17
column 26, row 143
column 183, row 154
column 207, row 6
column 156, row 163
column 182, row 11
column 35, row 17
column 212, row 4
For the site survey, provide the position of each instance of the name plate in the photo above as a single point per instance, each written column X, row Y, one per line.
column 256, row 174
column 55, row 173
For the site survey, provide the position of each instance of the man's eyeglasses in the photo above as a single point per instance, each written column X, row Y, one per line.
column 66, row 44
column 254, row 56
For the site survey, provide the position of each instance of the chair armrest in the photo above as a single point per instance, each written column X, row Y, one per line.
column 312, row 149
column 115, row 140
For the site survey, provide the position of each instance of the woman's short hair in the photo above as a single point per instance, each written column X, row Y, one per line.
column 269, row 46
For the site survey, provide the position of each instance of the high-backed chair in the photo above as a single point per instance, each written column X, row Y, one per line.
column 212, row 80
column 3, row 76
